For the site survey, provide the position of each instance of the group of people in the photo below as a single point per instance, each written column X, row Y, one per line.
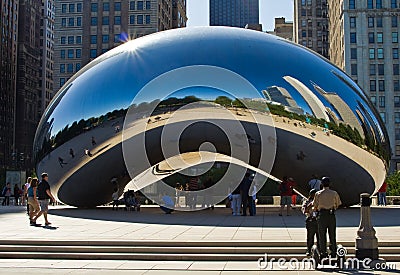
column 241, row 199
column 288, row 195
column 7, row 194
column 319, row 209
column 130, row 200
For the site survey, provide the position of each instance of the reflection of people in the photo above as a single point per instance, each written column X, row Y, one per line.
column 326, row 202
column 382, row 194
column 300, row 155
column 71, row 152
column 168, row 204
column 61, row 161
column 311, row 220
column 93, row 141
column 87, row 153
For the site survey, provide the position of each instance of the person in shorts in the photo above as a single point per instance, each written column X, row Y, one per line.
column 44, row 196
column 32, row 200
column 286, row 195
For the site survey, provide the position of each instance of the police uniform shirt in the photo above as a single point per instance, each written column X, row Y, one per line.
column 327, row 199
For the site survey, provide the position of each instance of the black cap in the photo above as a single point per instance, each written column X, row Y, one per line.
column 312, row 192
column 325, row 181
column 44, row 175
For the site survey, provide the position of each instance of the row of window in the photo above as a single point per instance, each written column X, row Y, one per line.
column 69, row 67
column 105, row 20
column 105, row 38
column 373, row 69
column 71, row 40
column 371, row 37
column 382, row 102
column 133, row 5
column 71, row 8
column 70, row 22
column 374, row 4
column 374, row 21
column 354, row 53
column 381, row 85
column 94, row 7
column 71, row 53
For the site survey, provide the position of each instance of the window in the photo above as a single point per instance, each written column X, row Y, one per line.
column 372, row 85
column 140, row 5
column 395, row 53
column 393, row 4
column 148, row 5
column 78, row 53
column 79, row 21
column 148, row 19
column 77, row 67
column 71, row 39
column 62, row 82
column 381, row 69
column 132, row 5
column 373, row 100
column 352, row 22
column 396, row 85
column 93, row 21
column 117, row 6
column 93, row 39
column 379, row 22
column 396, row 69
column 381, row 85
column 352, row 4
column 62, row 68
column 372, row 69
column 371, row 22
column 63, row 40
column 378, row 4
column 71, row 7
column 93, row 7
column 379, row 37
column 140, row 19
column 371, row 53
column 131, row 19
column 70, row 53
column 303, row 33
column 380, row 53
column 394, row 21
column 105, row 38
column 93, row 53
column 117, row 20
column 397, row 154
column 78, row 40
column 397, row 101
column 117, row 38
column 353, row 69
column 70, row 68
column 371, row 37
column 382, row 102
column 71, row 22
column 353, row 37
column 370, row 4
column 395, row 37
column 106, row 6
column 105, row 20
column 396, row 118
column 63, row 22
column 62, row 54
column 64, row 8
column 397, row 134
column 79, row 7
column 383, row 116
column 353, row 53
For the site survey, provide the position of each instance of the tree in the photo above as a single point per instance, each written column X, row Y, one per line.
column 393, row 181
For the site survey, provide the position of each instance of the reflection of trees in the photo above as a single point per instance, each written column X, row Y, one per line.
column 76, row 128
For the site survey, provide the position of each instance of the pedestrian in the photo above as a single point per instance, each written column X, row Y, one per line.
column 246, row 198
column 17, row 194
column 71, row 152
column 326, row 202
column 236, row 201
column 25, row 197
column 93, row 141
column 286, row 196
column 33, row 203
column 44, row 197
column 382, row 194
column 292, row 185
column 87, row 152
column 311, row 220
column 115, row 197
column 7, row 194
column 61, row 161
column 314, row 182
column 193, row 186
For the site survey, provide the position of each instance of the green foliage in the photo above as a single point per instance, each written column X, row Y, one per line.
column 224, row 101
column 393, row 181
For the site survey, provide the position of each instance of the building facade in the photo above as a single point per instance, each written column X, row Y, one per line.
column 8, row 69
column 87, row 29
column 365, row 43
column 311, row 25
column 283, row 28
column 234, row 13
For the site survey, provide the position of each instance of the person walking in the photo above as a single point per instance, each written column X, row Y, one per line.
column 7, row 194
column 244, row 192
column 311, row 220
column 17, row 194
column 286, row 196
column 326, row 202
column 292, row 185
column 382, row 194
column 44, row 196
column 33, row 202
column 26, row 187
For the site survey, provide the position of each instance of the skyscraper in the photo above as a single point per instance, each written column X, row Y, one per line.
column 87, row 29
column 234, row 13
column 311, row 25
column 364, row 39
column 8, row 69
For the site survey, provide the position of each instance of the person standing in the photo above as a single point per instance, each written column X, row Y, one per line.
column 326, row 202
column 314, row 183
column 26, row 187
column 17, row 194
column 115, row 197
column 292, row 185
column 244, row 192
column 44, row 196
column 382, row 194
column 311, row 220
column 236, row 201
column 7, row 194
column 286, row 195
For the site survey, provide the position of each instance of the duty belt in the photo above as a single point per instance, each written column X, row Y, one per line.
column 327, row 211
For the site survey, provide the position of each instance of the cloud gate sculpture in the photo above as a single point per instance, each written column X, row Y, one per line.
column 182, row 102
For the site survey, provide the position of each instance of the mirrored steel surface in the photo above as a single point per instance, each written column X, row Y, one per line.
column 310, row 116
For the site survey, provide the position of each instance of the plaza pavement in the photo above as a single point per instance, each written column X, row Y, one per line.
column 151, row 224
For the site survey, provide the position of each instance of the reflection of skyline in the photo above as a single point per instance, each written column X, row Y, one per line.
column 275, row 94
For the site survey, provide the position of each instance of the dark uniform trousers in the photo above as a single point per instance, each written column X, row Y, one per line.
column 327, row 221
column 312, row 231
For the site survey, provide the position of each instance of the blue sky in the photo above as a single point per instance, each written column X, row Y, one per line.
column 198, row 12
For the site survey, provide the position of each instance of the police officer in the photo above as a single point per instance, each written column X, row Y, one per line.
column 311, row 220
column 326, row 202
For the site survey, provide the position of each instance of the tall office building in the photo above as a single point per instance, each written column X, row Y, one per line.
column 8, row 68
column 364, row 37
column 234, row 13
column 87, row 29
column 311, row 25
